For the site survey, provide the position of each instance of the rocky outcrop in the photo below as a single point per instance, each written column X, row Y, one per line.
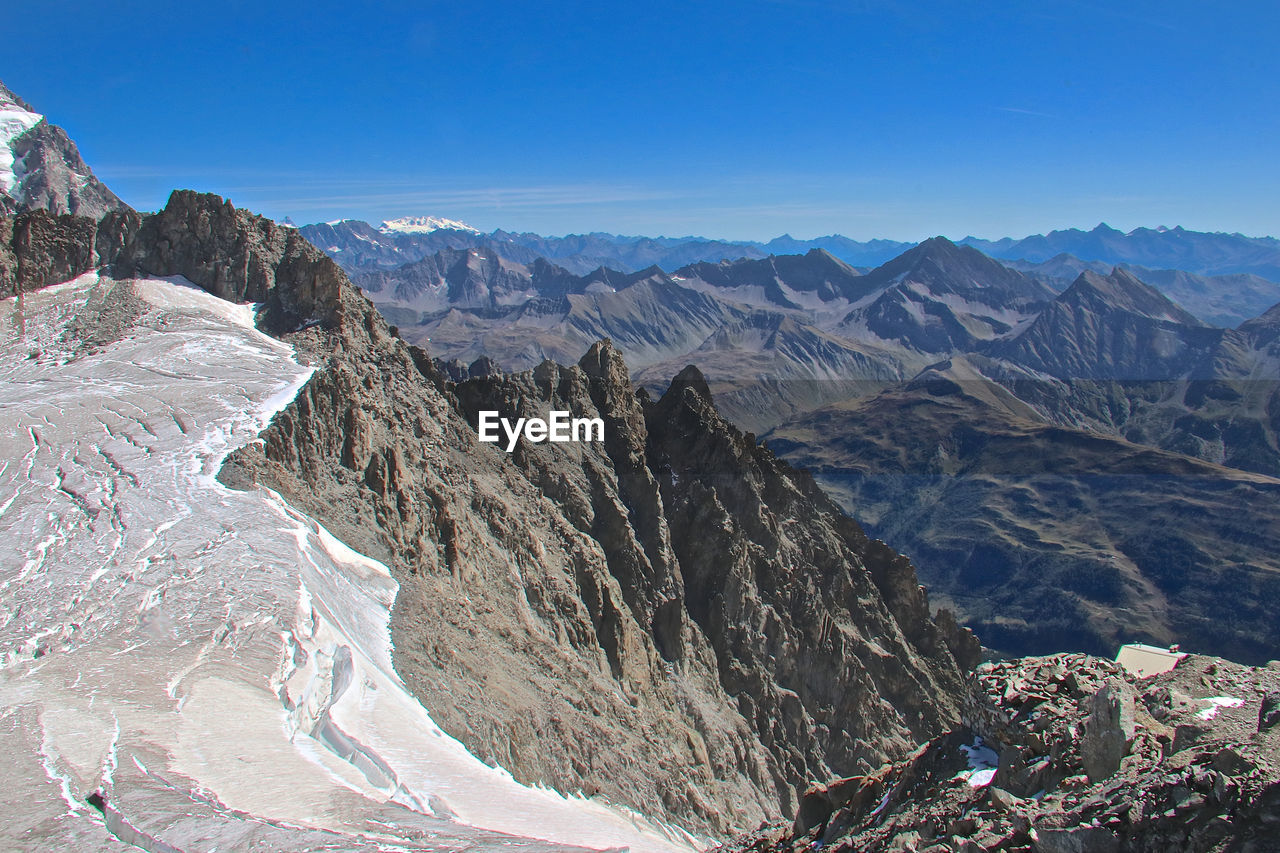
column 821, row 640
column 1108, row 731
column 1185, row 768
column 237, row 256
column 40, row 248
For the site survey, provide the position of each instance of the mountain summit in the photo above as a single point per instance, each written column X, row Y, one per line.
column 41, row 168
column 1112, row 327
column 424, row 225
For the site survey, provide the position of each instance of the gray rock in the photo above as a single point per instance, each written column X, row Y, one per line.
column 1108, row 731
column 39, row 248
column 1269, row 710
column 1076, row 839
column 237, row 256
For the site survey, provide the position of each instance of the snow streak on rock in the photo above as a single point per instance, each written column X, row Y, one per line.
column 183, row 666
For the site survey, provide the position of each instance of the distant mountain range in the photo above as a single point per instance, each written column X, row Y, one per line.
column 1160, row 248
column 358, row 247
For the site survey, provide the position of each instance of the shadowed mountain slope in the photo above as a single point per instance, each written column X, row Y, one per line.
column 1045, row 537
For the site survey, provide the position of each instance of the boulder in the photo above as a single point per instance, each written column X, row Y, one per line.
column 1108, row 731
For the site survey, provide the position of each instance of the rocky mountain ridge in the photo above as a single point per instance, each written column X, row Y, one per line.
column 617, row 630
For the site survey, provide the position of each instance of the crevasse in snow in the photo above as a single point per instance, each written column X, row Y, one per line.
column 213, row 662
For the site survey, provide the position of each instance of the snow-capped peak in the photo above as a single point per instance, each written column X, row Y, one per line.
column 14, row 121
column 423, row 225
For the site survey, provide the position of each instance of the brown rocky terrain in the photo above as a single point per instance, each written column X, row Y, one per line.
column 1070, row 753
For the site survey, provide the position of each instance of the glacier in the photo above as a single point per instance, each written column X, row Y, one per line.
column 14, row 122
column 184, row 666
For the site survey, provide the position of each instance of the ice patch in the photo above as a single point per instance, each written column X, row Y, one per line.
column 177, row 294
column 1216, row 703
column 983, row 763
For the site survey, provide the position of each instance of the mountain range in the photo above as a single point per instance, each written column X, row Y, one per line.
column 822, row 358
column 252, row 536
column 360, row 247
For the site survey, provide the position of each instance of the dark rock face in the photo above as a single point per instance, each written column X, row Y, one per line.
column 718, row 548
column 41, row 248
column 237, row 256
column 1191, row 780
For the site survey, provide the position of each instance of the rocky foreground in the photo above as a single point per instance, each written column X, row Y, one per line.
column 1072, row 754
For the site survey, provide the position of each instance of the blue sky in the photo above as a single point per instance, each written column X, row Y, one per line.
column 740, row 119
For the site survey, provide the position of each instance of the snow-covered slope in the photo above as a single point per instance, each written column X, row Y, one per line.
column 14, row 121
column 183, row 666
column 423, row 225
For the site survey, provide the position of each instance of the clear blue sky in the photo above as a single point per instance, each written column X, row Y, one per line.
column 741, row 119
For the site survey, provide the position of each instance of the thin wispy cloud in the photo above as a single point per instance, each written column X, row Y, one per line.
column 1024, row 112
column 515, row 197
